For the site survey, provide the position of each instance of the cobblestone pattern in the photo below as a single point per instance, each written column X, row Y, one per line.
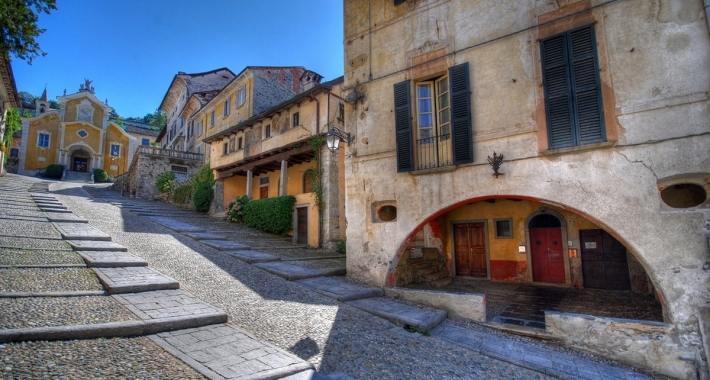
column 30, row 257
column 333, row 336
column 29, row 312
column 27, row 228
column 48, row 280
column 127, row 358
column 31, row 243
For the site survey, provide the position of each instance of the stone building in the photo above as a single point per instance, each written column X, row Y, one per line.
column 79, row 136
column 542, row 141
column 8, row 99
column 270, row 154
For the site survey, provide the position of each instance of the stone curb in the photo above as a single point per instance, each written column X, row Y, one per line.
column 54, row 294
column 315, row 258
column 109, row 330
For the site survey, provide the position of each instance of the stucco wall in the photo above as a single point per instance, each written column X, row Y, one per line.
column 654, row 59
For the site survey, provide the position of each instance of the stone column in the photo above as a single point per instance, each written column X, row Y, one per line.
column 330, row 214
column 284, row 178
column 217, row 206
column 250, row 177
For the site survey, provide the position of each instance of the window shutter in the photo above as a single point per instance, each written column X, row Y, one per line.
column 461, row 133
column 585, row 74
column 573, row 101
column 403, row 126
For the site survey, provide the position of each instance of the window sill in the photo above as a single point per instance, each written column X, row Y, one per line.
column 441, row 169
column 575, row 149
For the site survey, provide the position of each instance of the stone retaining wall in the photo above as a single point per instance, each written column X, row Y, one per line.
column 458, row 305
column 643, row 344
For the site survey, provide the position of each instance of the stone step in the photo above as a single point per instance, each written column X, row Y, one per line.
column 427, row 270
column 111, row 259
column 134, row 279
column 204, row 236
column 56, row 210
column 175, row 225
column 435, row 276
column 58, row 217
column 252, row 257
column 401, row 314
column 294, row 272
column 81, row 231
column 225, row 245
column 440, row 283
column 165, row 304
column 89, row 245
column 340, row 290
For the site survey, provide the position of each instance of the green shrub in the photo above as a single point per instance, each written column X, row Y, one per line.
column 54, row 171
column 202, row 198
column 182, row 192
column 100, row 175
column 271, row 214
column 340, row 246
column 235, row 209
column 164, row 182
column 204, row 177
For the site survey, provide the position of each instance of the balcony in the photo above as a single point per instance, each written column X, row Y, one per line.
column 434, row 152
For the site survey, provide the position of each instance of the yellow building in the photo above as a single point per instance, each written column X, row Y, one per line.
column 79, row 136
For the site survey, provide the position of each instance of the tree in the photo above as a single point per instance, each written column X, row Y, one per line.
column 18, row 23
column 12, row 125
column 53, row 104
column 159, row 120
column 27, row 100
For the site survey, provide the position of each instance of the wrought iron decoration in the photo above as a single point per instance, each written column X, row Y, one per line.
column 495, row 162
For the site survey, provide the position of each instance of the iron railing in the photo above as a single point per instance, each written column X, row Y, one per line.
column 434, row 152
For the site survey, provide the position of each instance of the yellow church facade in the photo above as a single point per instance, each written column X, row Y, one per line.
column 78, row 136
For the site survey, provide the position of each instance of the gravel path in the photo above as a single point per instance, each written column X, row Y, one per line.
column 38, row 257
column 132, row 358
column 333, row 336
column 27, row 228
column 48, row 280
column 31, row 243
column 18, row 313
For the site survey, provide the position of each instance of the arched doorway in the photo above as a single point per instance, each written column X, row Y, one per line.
column 80, row 161
column 546, row 248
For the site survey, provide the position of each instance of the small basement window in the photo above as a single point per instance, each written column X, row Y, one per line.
column 387, row 213
column 684, row 195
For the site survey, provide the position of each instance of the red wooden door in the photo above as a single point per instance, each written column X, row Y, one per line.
column 548, row 261
column 302, row 225
column 604, row 264
column 470, row 249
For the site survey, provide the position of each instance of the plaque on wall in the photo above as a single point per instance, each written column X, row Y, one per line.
column 590, row 244
column 416, row 253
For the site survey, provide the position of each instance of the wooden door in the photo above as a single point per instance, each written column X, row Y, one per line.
column 548, row 261
column 80, row 164
column 604, row 264
column 302, row 225
column 470, row 249
column 263, row 192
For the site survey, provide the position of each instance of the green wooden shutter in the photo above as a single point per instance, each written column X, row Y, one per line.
column 403, row 127
column 573, row 103
column 461, row 133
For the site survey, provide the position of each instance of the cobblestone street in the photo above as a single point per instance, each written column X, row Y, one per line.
column 339, row 340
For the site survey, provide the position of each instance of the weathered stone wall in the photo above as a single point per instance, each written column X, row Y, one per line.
column 644, row 344
column 654, row 59
column 458, row 305
column 145, row 169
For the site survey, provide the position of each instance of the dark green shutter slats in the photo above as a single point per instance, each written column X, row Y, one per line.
column 572, row 89
column 403, row 127
column 461, row 132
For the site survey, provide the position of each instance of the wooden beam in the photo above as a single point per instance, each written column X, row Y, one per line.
column 278, row 157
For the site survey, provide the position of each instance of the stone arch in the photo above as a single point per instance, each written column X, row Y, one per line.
column 81, row 154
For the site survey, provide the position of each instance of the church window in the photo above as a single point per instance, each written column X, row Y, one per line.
column 115, row 150
column 43, row 140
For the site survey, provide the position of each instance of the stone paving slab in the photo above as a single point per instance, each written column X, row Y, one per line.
column 252, row 257
column 550, row 362
column 164, row 304
column 227, row 352
column 399, row 313
column 225, row 245
column 175, row 225
column 204, row 236
column 81, row 231
column 51, row 205
column 56, row 210
column 56, row 217
column 89, row 245
column 134, row 279
column 108, row 259
column 339, row 290
column 294, row 272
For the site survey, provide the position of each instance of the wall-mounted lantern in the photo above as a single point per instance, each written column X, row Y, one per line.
column 333, row 137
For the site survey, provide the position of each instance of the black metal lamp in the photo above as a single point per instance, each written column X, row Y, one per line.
column 333, row 137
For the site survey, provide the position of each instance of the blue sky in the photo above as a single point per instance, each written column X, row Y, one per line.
column 131, row 49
